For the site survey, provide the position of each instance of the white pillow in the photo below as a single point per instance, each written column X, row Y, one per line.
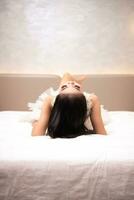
column 35, row 109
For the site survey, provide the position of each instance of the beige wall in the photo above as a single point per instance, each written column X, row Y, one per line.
column 80, row 36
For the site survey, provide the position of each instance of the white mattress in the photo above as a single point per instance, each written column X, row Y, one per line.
column 94, row 167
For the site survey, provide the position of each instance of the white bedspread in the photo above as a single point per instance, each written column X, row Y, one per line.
column 93, row 167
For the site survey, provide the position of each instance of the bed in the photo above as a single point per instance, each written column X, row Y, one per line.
column 93, row 167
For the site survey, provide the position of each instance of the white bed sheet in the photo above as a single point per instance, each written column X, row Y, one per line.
column 93, row 167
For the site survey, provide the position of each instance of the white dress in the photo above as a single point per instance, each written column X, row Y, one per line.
column 36, row 107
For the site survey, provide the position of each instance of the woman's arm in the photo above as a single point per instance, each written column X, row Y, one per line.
column 96, row 118
column 40, row 126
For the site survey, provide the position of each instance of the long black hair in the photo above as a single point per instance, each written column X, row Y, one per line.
column 68, row 116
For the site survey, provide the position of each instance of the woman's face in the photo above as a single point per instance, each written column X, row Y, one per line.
column 70, row 87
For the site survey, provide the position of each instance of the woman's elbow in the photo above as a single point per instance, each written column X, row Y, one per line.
column 37, row 130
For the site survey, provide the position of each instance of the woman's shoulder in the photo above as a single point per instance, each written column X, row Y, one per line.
column 47, row 100
column 49, row 96
column 90, row 98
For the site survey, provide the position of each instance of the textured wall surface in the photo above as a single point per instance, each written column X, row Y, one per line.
column 54, row 36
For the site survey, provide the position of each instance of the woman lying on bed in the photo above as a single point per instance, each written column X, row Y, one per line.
column 65, row 115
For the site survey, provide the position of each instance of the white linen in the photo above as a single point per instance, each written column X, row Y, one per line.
column 93, row 167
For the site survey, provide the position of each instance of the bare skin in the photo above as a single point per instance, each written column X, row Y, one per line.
column 40, row 126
